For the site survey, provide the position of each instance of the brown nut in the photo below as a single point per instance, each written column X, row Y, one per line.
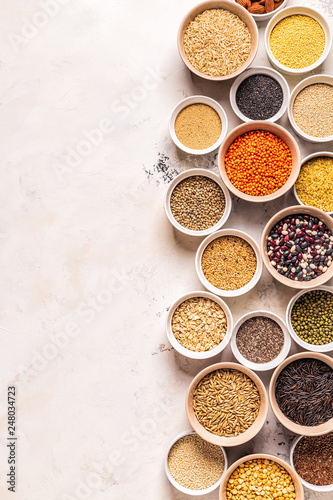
column 243, row 3
column 269, row 5
column 256, row 8
column 277, row 4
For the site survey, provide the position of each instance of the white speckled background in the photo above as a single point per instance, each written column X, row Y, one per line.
column 89, row 263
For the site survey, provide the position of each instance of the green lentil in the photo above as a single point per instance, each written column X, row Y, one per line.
column 312, row 317
column 314, row 185
column 297, row 41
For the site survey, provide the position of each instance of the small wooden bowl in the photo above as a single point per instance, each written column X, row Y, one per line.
column 233, row 7
column 304, row 430
column 222, row 440
column 296, row 209
column 275, row 129
column 296, row 480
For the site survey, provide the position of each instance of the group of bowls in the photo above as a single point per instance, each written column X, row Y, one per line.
column 215, row 294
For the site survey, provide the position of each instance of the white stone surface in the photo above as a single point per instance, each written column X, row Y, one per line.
column 89, row 263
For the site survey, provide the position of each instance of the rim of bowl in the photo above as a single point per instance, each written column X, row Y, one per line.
column 305, row 160
column 228, row 293
column 313, row 487
column 275, row 129
column 304, row 430
column 310, row 80
column 260, row 70
column 198, row 99
column 181, row 488
column 244, row 436
column 309, row 347
column 193, row 172
column 270, row 364
column 194, row 354
column 302, row 10
column 299, row 492
column 267, row 15
column 233, row 7
column 295, row 209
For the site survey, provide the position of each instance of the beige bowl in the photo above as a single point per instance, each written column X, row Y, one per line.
column 304, row 430
column 219, row 4
column 296, row 209
column 296, row 480
column 273, row 128
column 221, row 440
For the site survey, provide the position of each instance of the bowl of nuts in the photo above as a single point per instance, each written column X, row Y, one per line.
column 226, row 404
column 261, row 10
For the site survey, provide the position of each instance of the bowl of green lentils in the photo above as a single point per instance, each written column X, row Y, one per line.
column 309, row 318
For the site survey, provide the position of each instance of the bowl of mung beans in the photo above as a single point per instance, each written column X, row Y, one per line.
column 228, row 262
column 301, row 393
column 312, row 459
column 297, row 247
column 198, row 125
column 259, row 161
column 226, row 404
column 199, row 325
column 309, row 318
column 314, row 184
column 310, row 109
column 261, row 476
column 297, row 40
column 260, row 340
column 195, row 466
column 197, row 202
column 217, row 39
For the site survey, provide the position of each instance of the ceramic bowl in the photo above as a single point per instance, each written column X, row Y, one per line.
column 270, row 364
column 233, row 7
column 204, row 280
column 311, row 80
column 289, row 424
column 294, row 210
column 221, row 440
column 194, row 354
column 268, row 15
column 275, row 129
column 299, row 493
column 309, row 486
column 183, row 489
column 296, row 338
column 210, row 175
column 260, row 70
column 291, row 11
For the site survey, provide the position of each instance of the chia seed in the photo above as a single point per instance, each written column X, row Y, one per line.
column 259, row 97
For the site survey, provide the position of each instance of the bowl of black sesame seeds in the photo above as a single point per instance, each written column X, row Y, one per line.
column 259, row 93
column 260, row 340
column 197, row 202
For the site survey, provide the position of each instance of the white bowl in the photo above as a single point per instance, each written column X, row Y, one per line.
column 198, row 99
column 219, row 291
column 185, row 175
column 311, row 80
column 194, row 354
column 313, row 487
column 297, row 339
column 274, row 362
column 260, row 70
column 264, row 17
column 305, row 160
column 188, row 491
column 289, row 11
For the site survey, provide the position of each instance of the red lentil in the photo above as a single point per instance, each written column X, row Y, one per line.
column 258, row 163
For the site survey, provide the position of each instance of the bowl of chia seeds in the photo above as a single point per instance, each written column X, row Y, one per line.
column 197, row 202
column 260, row 340
column 309, row 319
column 259, row 93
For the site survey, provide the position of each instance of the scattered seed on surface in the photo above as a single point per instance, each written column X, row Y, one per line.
column 314, row 184
column 313, row 110
column 260, row 339
column 198, row 126
column 313, row 459
column 259, row 97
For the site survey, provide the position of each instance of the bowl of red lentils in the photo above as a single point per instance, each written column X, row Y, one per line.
column 310, row 109
column 261, row 476
column 197, row 202
column 198, row 125
column 193, row 465
column 297, row 40
column 228, row 263
column 259, row 161
column 297, row 247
